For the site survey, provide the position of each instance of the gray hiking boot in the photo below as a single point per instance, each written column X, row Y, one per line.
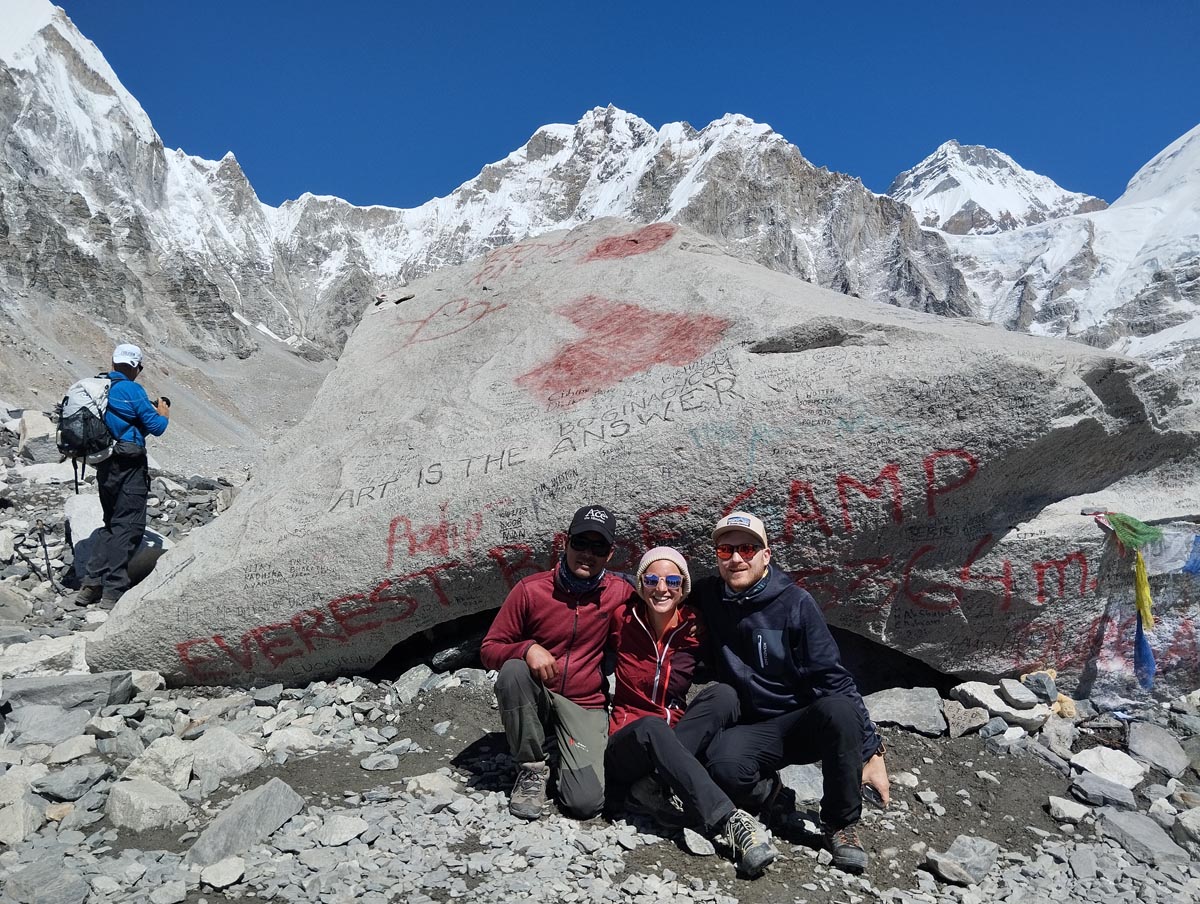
column 751, row 854
column 847, row 850
column 88, row 594
column 648, row 797
column 529, row 793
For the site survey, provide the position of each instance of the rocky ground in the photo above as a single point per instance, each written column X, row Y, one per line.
column 113, row 788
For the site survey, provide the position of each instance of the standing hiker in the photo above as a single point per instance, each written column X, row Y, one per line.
column 123, row 479
column 548, row 643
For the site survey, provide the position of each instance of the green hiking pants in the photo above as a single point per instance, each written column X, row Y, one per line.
column 528, row 711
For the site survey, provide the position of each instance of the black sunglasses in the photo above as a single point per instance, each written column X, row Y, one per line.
column 596, row 547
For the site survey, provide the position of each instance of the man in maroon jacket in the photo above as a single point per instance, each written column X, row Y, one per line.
column 548, row 643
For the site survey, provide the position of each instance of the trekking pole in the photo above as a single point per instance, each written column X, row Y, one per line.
column 29, row 562
column 46, row 552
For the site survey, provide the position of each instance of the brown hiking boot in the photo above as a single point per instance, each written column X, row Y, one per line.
column 529, row 793
column 847, row 850
column 751, row 854
column 88, row 594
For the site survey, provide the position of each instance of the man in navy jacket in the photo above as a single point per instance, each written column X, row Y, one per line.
column 798, row 703
column 123, row 479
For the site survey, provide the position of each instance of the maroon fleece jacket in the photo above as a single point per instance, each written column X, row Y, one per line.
column 572, row 627
column 652, row 677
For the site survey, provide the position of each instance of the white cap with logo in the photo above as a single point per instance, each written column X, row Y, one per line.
column 127, row 354
column 740, row 521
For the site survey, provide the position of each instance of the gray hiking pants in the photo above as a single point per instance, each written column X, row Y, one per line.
column 528, row 710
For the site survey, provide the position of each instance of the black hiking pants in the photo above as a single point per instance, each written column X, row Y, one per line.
column 651, row 745
column 124, row 485
column 829, row 731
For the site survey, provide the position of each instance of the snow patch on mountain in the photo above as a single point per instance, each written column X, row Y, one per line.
column 1125, row 278
column 970, row 189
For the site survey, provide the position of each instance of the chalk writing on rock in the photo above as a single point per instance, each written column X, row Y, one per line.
column 480, row 465
column 446, row 319
column 632, row 415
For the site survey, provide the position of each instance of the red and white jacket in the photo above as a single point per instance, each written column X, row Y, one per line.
column 652, row 677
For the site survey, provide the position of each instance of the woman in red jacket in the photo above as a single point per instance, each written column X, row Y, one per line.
column 656, row 640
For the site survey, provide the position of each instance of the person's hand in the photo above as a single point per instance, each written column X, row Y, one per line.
column 163, row 407
column 543, row 665
column 875, row 774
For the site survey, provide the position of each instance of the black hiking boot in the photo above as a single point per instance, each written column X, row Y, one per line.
column 751, row 854
column 648, row 797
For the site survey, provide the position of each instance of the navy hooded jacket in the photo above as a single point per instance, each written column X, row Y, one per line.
column 775, row 649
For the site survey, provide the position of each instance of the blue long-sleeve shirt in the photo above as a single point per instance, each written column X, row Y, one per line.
column 775, row 649
column 130, row 416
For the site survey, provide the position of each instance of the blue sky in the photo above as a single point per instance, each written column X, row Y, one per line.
column 395, row 103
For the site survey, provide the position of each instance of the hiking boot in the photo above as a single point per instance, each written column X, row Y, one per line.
column 108, row 600
column 847, row 850
column 751, row 854
column 529, row 793
column 88, row 594
column 778, row 802
column 648, row 797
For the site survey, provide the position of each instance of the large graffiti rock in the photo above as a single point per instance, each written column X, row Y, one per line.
column 923, row 477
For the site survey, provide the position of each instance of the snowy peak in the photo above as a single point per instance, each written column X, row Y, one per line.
column 74, row 79
column 971, row 189
column 1173, row 171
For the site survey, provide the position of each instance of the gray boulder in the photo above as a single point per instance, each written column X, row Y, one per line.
column 966, row 861
column 892, row 454
column 1113, row 765
column 37, row 443
column 1155, row 746
column 1141, row 836
column 805, row 781
column 142, row 804
column 45, row 724
column 250, row 818
column 47, row 881
column 918, row 709
column 219, row 754
column 1017, row 694
column 961, row 720
column 21, row 818
column 1059, row 735
column 1092, row 789
column 980, row 693
column 72, row 782
column 14, row 607
column 92, row 692
column 1042, row 685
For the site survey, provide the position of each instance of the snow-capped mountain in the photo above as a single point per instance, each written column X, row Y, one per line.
column 1126, row 278
column 102, row 226
column 735, row 180
column 167, row 244
column 970, row 189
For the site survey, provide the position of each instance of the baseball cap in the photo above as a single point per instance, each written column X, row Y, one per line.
column 594, row 518
column 740, row 521
column 127, row 354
